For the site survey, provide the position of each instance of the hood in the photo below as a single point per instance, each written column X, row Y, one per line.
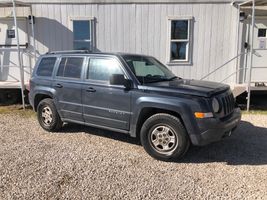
column 188, row 87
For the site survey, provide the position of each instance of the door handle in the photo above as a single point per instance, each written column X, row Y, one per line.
column 90, row 89
column 59, row 85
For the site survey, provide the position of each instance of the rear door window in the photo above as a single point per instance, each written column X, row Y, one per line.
column 70, row 67
column 46, row 66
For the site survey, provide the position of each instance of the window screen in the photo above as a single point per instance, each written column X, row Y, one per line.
column 101, row 69
column 262, row 32
column 179, row 29
column 70, row 67
column 179, row 39
column 82, row 34
column 46, row 66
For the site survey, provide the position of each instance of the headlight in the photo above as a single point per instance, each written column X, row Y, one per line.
column 215, row 105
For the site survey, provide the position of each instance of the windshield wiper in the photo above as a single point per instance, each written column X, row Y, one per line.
column 168, row 79
column 174, row 77
column 160, row 79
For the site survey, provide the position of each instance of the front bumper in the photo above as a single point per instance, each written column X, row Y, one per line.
column 213, row 129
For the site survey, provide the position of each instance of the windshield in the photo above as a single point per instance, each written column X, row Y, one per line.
column 148, row 69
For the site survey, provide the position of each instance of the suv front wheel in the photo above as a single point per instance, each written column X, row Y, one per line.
column 164, row 137
column 48, row 116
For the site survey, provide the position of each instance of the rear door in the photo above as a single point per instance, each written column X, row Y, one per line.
column 259, row 71
column 9, row 70
column 104, row 104
column 68, row 87
column 259, row 66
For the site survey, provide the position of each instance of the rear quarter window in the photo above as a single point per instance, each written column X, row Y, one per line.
column 46, row 66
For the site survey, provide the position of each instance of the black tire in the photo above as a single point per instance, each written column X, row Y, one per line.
column 53, row 122
column 175, row 141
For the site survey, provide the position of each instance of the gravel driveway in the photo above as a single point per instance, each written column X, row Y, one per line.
column 87, row 163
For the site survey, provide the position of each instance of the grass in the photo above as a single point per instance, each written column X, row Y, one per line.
column 17, row 109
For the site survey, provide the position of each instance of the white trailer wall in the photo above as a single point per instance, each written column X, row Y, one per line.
column 142, row 28
column 9, row 67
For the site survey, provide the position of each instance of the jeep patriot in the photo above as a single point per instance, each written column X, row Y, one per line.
column 131, row 94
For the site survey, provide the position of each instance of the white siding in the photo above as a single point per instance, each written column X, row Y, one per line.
column 142, row 28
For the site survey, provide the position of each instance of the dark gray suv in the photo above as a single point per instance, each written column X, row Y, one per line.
column 131, row 94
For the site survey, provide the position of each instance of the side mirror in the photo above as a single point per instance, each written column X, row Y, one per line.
column 118, row 79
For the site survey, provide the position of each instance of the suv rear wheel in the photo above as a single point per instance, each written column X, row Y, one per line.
column 164, row 137
column 48, row 116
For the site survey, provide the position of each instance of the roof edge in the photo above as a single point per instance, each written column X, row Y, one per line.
column 122, row 1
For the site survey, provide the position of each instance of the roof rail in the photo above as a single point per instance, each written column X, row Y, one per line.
column 68, row 51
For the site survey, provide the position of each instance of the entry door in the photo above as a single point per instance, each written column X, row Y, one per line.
column 104, row 104
column 68, row 88
column 9, row 57
column 259, row 70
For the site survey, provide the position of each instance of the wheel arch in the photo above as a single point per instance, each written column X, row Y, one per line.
column 39, row 97
column 147, row 112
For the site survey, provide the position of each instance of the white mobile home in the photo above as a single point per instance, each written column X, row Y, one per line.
column 198, row 39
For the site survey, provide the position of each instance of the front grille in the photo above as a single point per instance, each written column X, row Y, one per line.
column 227, row 103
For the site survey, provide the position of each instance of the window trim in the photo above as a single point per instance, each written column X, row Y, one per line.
column 189, row 49
column 69, row 78
column 92, row 30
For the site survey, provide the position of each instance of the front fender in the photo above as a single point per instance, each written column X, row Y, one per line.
column 179, row 106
